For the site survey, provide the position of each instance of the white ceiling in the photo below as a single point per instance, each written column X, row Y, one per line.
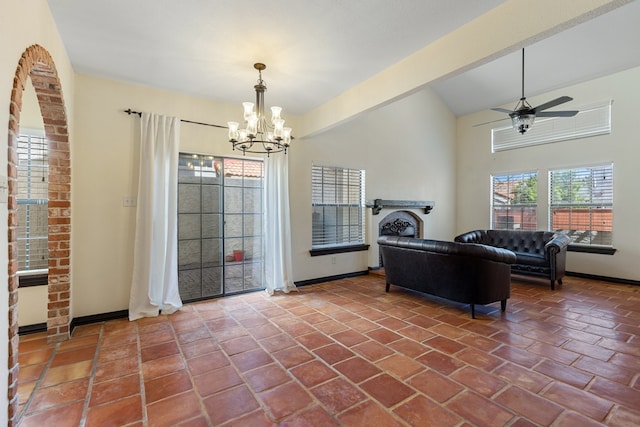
column 607, row 44
column 317, row 49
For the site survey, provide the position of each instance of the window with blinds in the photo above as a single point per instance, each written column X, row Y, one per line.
column 338, row 206
column 32, row 197
column 581, row 204
column 590, row 121
column 514, row 201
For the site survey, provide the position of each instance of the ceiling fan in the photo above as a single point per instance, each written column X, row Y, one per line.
column 523, row 115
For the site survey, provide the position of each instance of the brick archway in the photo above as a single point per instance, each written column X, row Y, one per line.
column 37, row 64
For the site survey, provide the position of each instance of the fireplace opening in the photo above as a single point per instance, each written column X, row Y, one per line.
column 398, row 227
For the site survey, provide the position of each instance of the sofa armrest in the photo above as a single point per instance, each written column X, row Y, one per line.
column 474, row 236
column 490, row 253
column 557, row 244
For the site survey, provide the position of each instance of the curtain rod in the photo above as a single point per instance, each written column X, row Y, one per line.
column 129, row 111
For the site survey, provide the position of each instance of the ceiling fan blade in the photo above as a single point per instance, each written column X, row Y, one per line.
column 569, row 113
column 502, row 110
column 552, row 103
column 492, row 121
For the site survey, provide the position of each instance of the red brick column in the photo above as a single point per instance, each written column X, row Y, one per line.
column 37, row 63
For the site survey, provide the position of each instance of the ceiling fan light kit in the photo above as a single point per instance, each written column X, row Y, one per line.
column 523, row 115
column 522, row 122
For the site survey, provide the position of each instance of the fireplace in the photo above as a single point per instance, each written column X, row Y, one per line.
column 394, row 218
column 400, row 223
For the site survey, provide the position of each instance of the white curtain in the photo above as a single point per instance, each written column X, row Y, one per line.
column 278, row 264
column 154, row 286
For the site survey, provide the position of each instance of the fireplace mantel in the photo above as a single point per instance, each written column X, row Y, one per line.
column 378, row 204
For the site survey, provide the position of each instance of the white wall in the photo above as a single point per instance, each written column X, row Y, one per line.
column 476, row 163
column 23, row 23
column 407, row 150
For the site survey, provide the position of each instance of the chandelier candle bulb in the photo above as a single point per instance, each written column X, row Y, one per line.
column 275, row 114
column 248, row 109
column 286, row 136
column 233, row 131
column 277, row 131
column 259, row 134
column 252, row 126
column 243, row 139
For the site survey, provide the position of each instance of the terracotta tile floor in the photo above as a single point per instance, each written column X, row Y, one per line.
column 347, row 353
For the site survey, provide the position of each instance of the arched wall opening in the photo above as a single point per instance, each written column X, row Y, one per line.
column 36, row 63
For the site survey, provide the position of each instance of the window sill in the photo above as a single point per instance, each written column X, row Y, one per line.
column 602, row 250
column 29, row 280
column 338, row 250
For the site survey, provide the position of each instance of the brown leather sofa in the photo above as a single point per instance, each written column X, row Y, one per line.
column 538, row 253
column 466, row 273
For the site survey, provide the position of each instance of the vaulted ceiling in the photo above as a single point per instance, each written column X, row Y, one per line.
column 316, row 50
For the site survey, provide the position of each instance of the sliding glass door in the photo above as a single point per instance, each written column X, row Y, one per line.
column 243, row 187
column 219, row 226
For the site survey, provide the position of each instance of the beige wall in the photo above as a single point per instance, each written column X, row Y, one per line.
column 23, row 23
column 407, row 150
column 411, row 162
column 32, row 305
column 30, row 117
column 476, row 163
column 105, row 166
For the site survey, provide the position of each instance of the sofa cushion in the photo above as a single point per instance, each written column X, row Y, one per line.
column 531, row 259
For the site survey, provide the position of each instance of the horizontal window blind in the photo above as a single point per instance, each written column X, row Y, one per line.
column 581, row 204
column 338, row 204
column 33, row 199
column 514, row 201
column 590, row 121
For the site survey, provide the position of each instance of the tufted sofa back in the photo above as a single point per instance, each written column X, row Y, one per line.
column 449, row 248
column 521, row 241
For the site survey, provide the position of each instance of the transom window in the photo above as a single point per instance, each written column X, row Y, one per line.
column 338, row 206
column 581, row 204
column 514, row 201
column 591, row 120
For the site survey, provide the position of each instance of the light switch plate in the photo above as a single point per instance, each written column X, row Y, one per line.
column 129, row 201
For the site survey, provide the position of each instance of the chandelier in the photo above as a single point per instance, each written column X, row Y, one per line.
column 258, row 135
